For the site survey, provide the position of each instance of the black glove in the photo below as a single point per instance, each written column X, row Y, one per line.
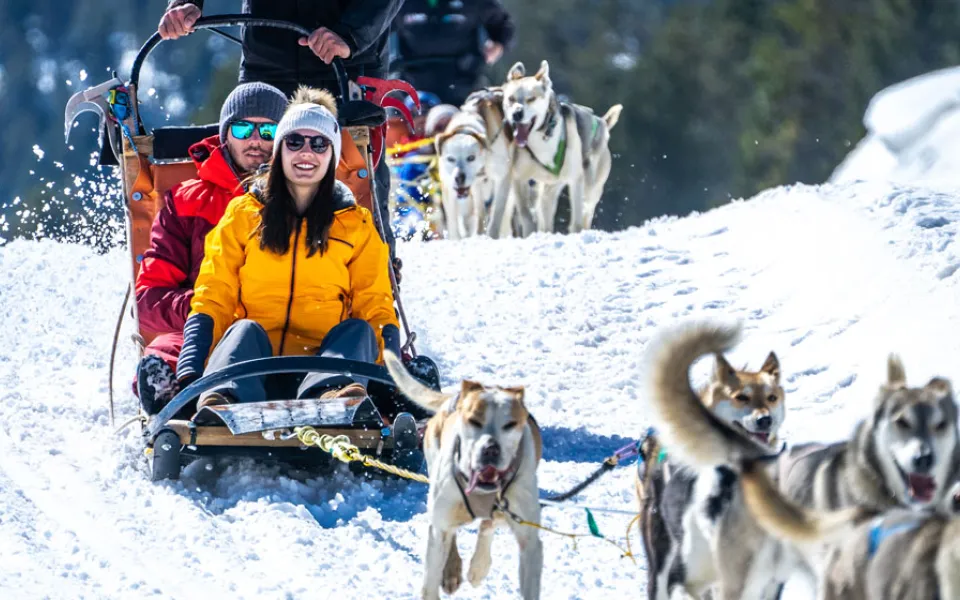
column 197, row 339
column 391, row 339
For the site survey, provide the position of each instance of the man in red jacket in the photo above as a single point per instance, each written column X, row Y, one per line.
column 248, row 121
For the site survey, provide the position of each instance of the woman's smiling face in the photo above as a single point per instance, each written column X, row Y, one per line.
column 305, row 166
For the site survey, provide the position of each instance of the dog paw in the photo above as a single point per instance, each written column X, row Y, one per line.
column 430, row 594
column 479, row 568
column 452, row 572
column 452, row 581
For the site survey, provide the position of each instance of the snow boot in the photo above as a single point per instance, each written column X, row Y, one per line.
column 156, row 383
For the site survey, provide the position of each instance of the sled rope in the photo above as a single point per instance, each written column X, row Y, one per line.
column 503, row 506
column 113, row 352
column 402, row 148
column 341, row 449
column 629, row 451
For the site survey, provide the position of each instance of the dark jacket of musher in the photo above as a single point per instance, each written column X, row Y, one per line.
column 439, row 44
column 273, row 56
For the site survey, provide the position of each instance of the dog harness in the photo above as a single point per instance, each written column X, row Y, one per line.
column 879, row 532
column 547, row 128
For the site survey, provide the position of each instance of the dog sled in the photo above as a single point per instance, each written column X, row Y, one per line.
column 150, row 162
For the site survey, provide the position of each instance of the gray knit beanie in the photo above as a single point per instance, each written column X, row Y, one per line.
column 253, row 99
column 314, row 117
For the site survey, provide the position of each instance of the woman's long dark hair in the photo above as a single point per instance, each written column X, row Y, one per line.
column 278, row 217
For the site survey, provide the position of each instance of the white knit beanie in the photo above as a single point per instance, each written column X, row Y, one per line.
column 313, row 117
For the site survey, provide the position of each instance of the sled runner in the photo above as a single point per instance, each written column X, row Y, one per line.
column 150, row 162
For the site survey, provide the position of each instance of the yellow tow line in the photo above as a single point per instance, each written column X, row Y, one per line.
column 342, row 449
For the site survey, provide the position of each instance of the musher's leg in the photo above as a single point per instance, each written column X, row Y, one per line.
column 353, row 339
column 244, row 340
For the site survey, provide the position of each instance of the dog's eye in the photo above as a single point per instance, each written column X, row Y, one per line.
column 940, row 427
column 902, row 423
column 471, row 158
column 451, row 159
column 475, row 423
column 509, row 425
column 742, row 398
column 772, row 398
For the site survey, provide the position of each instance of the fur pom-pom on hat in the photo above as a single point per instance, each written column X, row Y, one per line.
column 314, row 109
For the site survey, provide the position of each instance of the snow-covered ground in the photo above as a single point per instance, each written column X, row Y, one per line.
column 832, row 278
column 913, row 128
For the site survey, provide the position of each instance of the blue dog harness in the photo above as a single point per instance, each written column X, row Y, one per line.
column 879, row 532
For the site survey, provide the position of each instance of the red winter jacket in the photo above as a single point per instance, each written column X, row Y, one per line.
column 170, row 266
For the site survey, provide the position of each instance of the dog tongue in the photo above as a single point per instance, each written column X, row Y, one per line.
column 520, row 134
column 922, row 487
column 487, row 474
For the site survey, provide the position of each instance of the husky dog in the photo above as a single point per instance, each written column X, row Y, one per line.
column 480, row 445
column 557, row 145
column 462, row 152
column 903, row 455
column 487, row 104
column 696, row 531
column 901, row 553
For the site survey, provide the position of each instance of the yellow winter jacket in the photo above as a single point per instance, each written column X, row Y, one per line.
column 295, row 298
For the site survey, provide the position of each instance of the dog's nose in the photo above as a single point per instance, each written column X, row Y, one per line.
column 923, row 461
column 764, row 422
column 460, row 178
column 490, row 454
column 518, row 115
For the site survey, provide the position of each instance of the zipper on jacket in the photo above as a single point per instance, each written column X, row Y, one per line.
column 293, row 273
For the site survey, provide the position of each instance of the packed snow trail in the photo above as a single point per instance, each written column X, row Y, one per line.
column 831, row 278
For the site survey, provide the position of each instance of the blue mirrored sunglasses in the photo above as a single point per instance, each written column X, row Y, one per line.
column 244, row 129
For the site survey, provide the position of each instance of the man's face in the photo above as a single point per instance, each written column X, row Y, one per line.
column 255, row 149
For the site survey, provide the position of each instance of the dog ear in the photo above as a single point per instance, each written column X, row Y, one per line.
column 940, row 386
column 518, row 393
column 771, row 366
column 544, row 73
column 438, row 141
column 467, row 386
column 896, row 375
column 724, row 373
column 517, row 71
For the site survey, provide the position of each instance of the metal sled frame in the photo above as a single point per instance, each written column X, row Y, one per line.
column 151, row 163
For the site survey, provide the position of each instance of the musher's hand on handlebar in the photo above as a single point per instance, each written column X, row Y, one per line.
column 326, row 44
column 178, row 22
column 492, row 51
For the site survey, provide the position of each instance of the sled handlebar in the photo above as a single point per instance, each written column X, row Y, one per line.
column 237, row 21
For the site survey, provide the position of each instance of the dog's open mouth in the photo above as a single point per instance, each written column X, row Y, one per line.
column 521, row 132
column 921, row 487
column 462, row 192
column 760, row 436
column 486, row 479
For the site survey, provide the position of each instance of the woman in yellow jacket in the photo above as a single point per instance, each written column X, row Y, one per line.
column 294, row 267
